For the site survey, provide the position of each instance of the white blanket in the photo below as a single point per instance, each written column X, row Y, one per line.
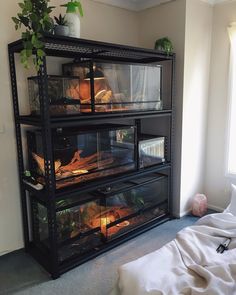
column 187, row 265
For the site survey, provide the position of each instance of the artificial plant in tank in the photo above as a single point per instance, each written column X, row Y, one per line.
column 66, row 223
column 137, row 200
column 35, row 17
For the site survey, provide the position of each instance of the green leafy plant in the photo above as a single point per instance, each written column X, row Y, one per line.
column 60, row 21
column 35, row 17
column 73, row 5
column 137, row 200
column 164, row 44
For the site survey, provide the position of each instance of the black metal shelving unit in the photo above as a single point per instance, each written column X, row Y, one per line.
column 79, row 49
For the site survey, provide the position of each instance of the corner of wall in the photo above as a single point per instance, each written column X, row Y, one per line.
column 197, row 50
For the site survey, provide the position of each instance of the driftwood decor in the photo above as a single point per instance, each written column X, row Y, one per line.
column 78, row 165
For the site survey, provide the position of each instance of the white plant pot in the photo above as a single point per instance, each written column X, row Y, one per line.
column 73, row 22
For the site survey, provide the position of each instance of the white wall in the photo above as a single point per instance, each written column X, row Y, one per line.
column 10, row 213
column 217, row 186
column 101, row 22
column 169, row 20
column 189, row 26
column 198, row 31
column 109, row 24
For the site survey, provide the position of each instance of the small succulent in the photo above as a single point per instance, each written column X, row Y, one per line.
column 164, row 44
column 60, row 21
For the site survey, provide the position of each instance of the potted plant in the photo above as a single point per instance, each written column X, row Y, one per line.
column 164, row 44
column 35, row 17
column 61, row 27
column 72, row 18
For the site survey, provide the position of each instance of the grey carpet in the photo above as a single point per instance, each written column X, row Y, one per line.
column 20, row 274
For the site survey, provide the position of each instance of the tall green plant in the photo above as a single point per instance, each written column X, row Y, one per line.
column 35, row 17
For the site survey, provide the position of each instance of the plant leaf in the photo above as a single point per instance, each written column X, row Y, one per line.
column 80, row 9
column 28, row 52
column 33, row 39
column 38, row 44
column 28, row 45
column 40, row 53
column 15, row 20
column 34, row 17
column 28, row 5
column 24, row 20
column 22, row 6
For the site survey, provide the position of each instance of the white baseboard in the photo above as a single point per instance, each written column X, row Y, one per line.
column 181, row 214
column 218, row 209
column 4, row 252
column 188, row 211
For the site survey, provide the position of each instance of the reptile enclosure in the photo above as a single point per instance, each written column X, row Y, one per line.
column 97, row 139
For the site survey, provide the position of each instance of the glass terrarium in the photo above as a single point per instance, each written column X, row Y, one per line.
column 40, row 224
column 116, row 87
column 86, row 221
column 151, row 150
column 63, row 95
column 129, row 204
column 78, row 227
column 84, row 154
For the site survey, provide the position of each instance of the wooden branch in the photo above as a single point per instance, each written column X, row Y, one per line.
column 75, row 165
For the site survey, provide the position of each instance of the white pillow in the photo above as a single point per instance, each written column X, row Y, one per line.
column 232, row 205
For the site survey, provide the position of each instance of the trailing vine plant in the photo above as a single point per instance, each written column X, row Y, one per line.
column 35, row 17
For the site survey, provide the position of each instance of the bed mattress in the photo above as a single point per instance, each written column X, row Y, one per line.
column 187, row 265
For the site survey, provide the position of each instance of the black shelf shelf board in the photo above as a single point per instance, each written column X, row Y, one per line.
column 133, row 185
column 29, row 120
column 78, row 119
column 79, row 189
column 77, row 47
column 76, row 261
column 97, row 194
column 94, row 185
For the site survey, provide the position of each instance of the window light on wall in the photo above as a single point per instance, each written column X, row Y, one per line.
column 231, row 155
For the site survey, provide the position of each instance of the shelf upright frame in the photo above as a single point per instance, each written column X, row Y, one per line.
column 172, row 134
column 91, row 64
column 20, row 159
column 50, row 182
column 138, row 132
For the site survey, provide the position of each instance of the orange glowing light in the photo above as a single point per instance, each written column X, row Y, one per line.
column 104, row 222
